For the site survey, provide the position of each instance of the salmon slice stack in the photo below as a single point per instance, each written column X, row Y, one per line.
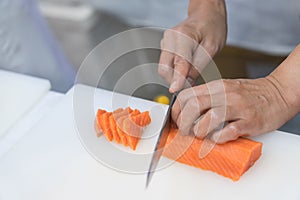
column 124, row 126
column 231, row 159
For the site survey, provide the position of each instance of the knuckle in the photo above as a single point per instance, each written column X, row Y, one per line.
column 225, row 83
column 181, row 95
column 184, row 93
column 168, row 33
column 217, row 116
column 193, row 105
column 262, row 99
column 211, row 47
column 201, row 102
column 235, row 130
column 238, row 82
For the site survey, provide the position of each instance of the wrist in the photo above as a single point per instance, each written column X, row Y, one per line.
column 287, row 77
column 196, row 7
column 288, row 97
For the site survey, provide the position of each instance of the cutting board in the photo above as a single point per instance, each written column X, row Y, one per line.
column 61, row 159
column 18, row 94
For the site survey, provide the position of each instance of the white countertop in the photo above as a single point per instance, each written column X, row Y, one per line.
column 24, row 101
column 23, row 126
column 19, row 94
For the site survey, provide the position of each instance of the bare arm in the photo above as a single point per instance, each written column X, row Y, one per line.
column 286, row 78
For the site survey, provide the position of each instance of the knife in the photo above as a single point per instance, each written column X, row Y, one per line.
column 161, row 142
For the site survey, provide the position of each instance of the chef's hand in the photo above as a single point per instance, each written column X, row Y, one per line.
column 250, row 107
column 189, row 47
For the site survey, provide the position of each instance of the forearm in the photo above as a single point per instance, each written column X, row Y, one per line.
column 286, row 77
column 209, row 22
column 206, row 29
column 198, row 6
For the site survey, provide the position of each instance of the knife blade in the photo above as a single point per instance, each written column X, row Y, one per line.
column 161, row 142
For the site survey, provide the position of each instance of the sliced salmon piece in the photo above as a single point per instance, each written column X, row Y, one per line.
column 143, row 119
column 231, row 159
column 122, row 134
column 124, row 126
column 99, row 126
column 113, row 129
column 107, row 126
column 98, row 123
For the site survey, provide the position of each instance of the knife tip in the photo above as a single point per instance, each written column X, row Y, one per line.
column 148, row 180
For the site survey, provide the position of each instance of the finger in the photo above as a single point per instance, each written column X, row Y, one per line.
column 190, row 113
column 181, row 70
column 191, row 78
column 231, row 131
column 179, row 42
column 181, row 101
column 187, row 116
column 189, row 82
column 187, row 94
column 206, row 97
column 212, row 120
column 213, row 88
column 165, row 67
column 193, row 73
column 167, row 43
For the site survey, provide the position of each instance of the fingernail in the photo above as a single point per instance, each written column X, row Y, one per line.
column 173, row 86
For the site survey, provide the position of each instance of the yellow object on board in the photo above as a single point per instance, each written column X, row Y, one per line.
column 162, row 99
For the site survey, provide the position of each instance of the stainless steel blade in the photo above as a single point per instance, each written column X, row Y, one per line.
column 161, row 142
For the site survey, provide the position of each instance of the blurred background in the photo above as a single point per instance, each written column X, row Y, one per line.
column 51, row 39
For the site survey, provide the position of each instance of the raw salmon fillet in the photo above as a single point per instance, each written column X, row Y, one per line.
column 124, row 126
column 231, row 159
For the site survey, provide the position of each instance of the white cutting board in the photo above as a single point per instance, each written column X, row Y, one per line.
column 18, row 94
column 51, row 163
